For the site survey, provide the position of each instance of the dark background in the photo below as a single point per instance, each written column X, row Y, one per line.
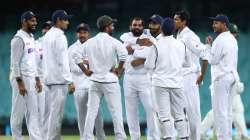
column 89, row 10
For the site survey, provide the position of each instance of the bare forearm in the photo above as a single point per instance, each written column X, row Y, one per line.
column 138, row 62
column 204, row 67
column 121, row 63
column 82, row 67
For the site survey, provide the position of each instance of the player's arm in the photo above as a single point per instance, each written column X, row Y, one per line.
column 126, row 38
column 215, row 53
column 138, row 61
column 122, row 56
column 78, row 57
column 203, row 72
column 73, row 67
column 17, row 50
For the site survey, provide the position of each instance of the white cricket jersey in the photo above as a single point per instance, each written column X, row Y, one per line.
column 102, row 51
column 39, row 57
column 166, row 59
column 223, row 56
column 55, row 58
column 80, row 80
column 23, row 61
column 194, row 49
column 139, row 52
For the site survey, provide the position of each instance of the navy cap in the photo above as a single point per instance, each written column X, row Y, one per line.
column 61, row 14
column 27, row 16
column 47, row 24
column 82, row 26
column 221, row 18
column 168, row 26
column 104, row 21
column 156, row 18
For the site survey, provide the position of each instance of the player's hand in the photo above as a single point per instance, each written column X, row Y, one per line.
column 39, row 86
column 130, row 49
column 21, row 88
column 71, row 88
column 88, row 72
column 199, row 80
column 118, row 72
column 144, row 42
column 85, row 62
column 209, row 40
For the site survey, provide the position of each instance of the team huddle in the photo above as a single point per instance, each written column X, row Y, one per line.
column 161, row 70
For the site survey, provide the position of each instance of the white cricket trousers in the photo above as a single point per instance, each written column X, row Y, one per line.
column 25, row 106
column 112, row 95
column 43, row 111
column 191, row 93
column 138, row 88
column 238, row 117
column 222, row 106
column 171, row 101
column 81, row 100
column 56, row 100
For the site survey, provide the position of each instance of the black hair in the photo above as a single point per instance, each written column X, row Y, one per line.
column 137, row 18
column 184, row 16
column 167, row 32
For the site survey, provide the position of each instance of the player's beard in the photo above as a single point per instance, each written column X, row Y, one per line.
column 137, row 32
column 31, row 30
column 154, row 32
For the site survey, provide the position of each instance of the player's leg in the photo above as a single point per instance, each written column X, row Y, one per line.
column 131, row 106
column 43, row 117
column 45, row 113
column 112, row 94
column 81, row 99
column 162, row 98
column 18, row 110
column 94, row 97
column 99, row 126
column 178, row 110
column 238, row 116
column 191, row 93
column 207, row 122
column 145, row 97
column 220, row 104
column 32, row 115
column 57, row 99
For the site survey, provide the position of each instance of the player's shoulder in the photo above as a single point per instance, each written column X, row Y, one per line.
column 190, row 33
column 125, row 36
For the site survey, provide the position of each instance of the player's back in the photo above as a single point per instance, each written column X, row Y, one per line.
column 169, row 63
column 55, row 58
column 103, row 51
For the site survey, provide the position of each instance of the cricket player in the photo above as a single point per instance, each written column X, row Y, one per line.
column 223, row 58
column 102, row 51
column 137, row 83
column 193, row 73
column 42, row 97
column 56, row 72
column 24, row 80
column 81, row 82
column 238, row 108
column 167, row 81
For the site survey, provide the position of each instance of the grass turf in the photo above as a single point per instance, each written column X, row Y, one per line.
column 71, row 138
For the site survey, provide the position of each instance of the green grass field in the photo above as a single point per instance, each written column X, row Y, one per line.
column 71, row 138
column 64, row 138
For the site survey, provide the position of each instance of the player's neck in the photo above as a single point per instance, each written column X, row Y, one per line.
column 181, row 28
column 26, row 30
